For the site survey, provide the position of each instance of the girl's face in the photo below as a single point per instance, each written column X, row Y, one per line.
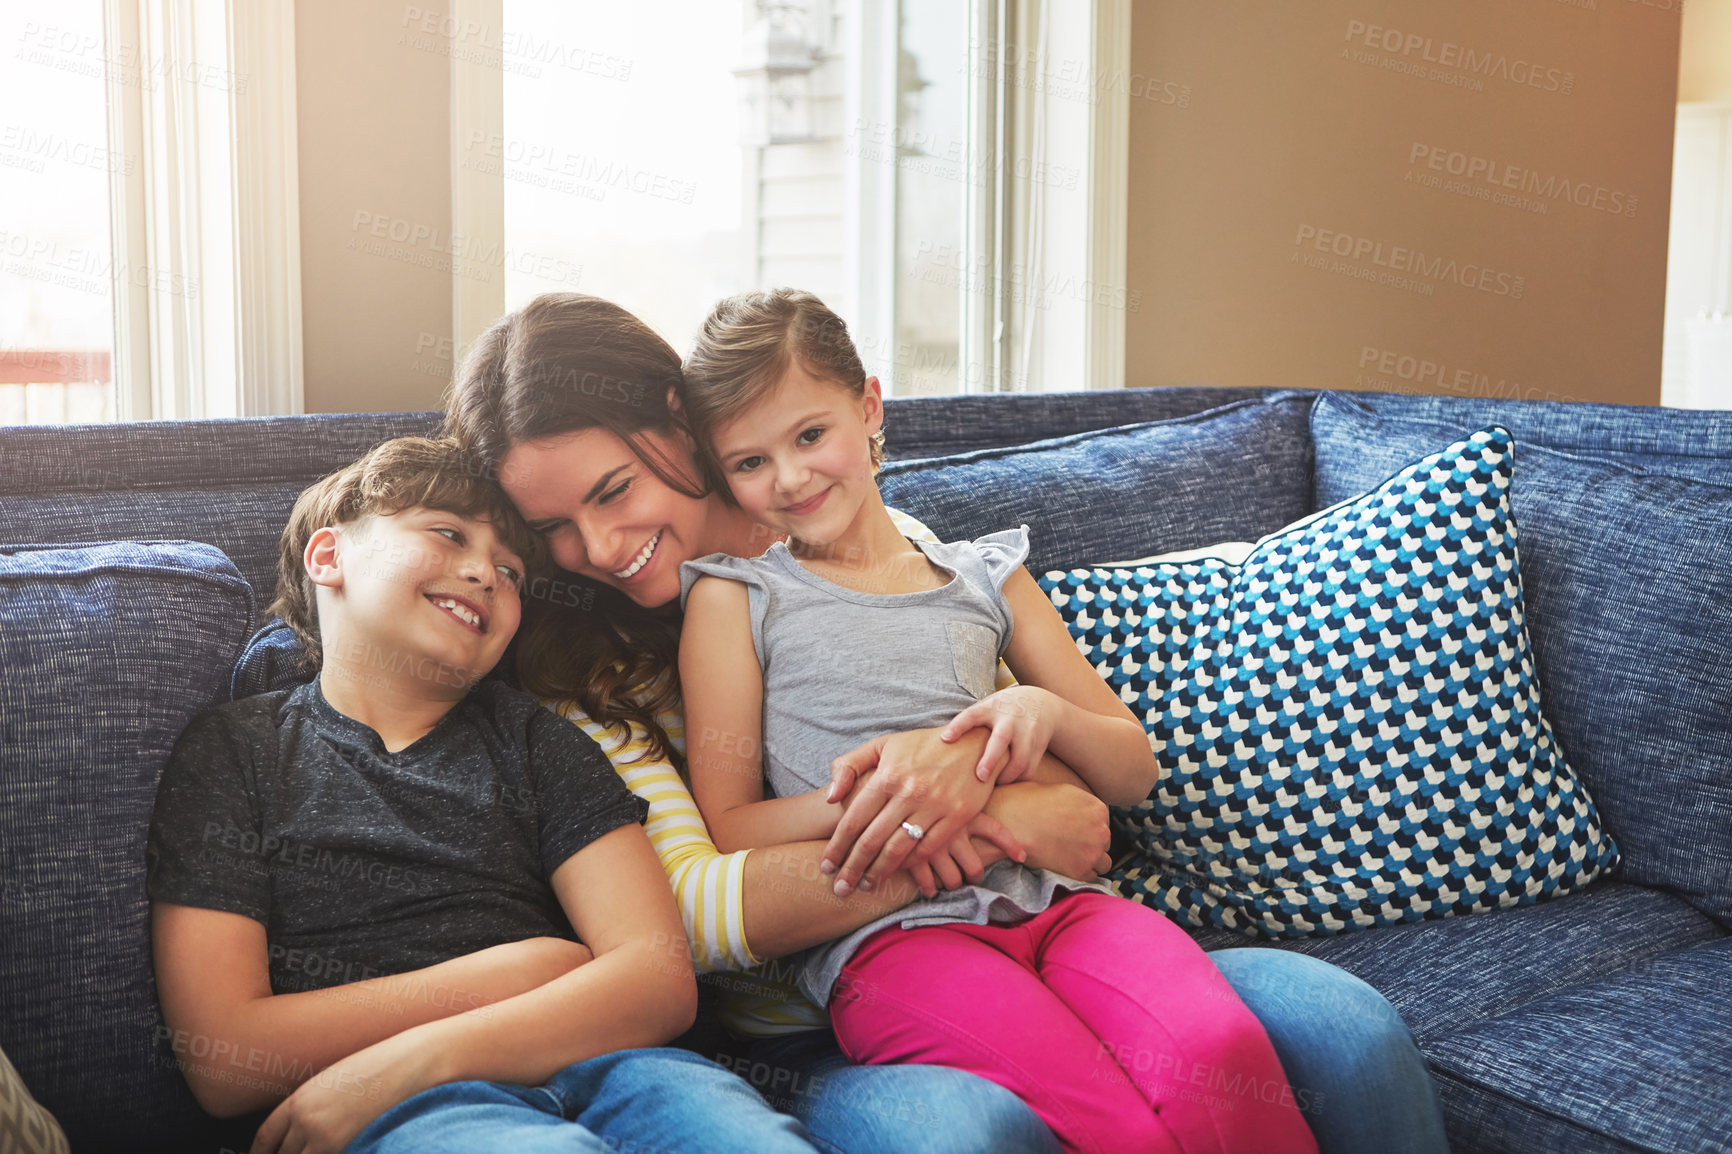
column 800, row 459
column 605, row 513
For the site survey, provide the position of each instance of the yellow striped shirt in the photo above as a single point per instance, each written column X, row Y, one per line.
column 757, row 999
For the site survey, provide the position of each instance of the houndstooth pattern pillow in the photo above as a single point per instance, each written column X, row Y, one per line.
column 1347, row 717
column 25, row 1127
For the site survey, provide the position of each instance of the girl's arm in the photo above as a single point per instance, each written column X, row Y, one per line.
column 723, row 689
column 1061, row 707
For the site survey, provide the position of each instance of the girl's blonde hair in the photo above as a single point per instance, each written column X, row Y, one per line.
column 746, row 346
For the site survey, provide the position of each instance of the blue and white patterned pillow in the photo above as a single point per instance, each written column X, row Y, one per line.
column 1348, row 719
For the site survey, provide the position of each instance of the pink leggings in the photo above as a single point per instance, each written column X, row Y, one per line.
column 1107, row 1019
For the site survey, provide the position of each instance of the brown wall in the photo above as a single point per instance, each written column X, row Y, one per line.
column 1294, row 219
column 373, row 104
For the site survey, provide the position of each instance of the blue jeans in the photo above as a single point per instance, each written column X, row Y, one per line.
column 1349, row 1057
column 659, row 1101
column 1352, row 1064
column 908, row 1109
column 1354, row 1069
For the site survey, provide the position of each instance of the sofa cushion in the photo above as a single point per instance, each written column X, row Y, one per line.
column 1628, row 580
column 1451, row 974
column 936, row 426
column 25, row 1127
column 1241, row 470
column 1347, row 721
column 109, row 650
column 271, row 660
column 1636, row 1060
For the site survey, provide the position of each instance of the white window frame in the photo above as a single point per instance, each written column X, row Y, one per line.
column 869, row 209
column 1109, row 175
column 1077, row 341
column 477, row 197
column 1697, row 343
column 1074, row 339
column 205, row 230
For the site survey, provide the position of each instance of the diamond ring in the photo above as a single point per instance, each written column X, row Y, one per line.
column 913, row 830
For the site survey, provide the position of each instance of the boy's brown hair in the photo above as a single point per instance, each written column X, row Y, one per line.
column 745, row 346
column 405, row 473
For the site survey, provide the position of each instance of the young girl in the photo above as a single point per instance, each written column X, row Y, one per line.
column 1102, row 1015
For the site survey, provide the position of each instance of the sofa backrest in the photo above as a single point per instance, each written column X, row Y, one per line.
column 231, row 483
column 1680, row 442
column 1234, row 472
column 226, row 483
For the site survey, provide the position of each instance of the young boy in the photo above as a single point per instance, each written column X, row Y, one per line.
column 365, row 890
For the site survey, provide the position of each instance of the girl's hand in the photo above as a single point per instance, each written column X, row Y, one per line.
column 328, row 1110
column 960, row 863
column 1022, row 719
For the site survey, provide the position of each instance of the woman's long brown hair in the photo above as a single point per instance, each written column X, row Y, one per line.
column 563, row 363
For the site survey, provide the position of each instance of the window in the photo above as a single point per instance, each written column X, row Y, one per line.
column 620, row 156
column 664, row 155
column 56, row 292
column 150, row 243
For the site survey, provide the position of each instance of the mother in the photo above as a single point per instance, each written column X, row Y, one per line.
column 574, row 402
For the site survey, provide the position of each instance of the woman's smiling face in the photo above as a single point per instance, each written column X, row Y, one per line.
column 606, row 514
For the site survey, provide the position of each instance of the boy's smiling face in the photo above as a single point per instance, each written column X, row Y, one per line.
column 421, row 594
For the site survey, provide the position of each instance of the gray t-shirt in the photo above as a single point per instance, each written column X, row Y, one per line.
column 360, row 862
column 841, row 667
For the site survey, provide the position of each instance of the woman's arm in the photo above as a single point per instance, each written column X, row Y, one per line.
column 789, row 905
column 741, row 908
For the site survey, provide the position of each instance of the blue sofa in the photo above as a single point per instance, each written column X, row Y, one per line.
column 1599, row 1021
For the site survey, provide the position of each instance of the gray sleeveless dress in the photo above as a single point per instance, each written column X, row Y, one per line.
column 842, row 666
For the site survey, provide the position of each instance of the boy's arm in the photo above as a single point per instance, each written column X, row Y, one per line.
column 723, row 690
column 242, row 1049
column 639, row 991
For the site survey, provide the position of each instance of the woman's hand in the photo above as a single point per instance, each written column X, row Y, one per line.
column 918, row 779
column 1020, row 721
column 328, row 1110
